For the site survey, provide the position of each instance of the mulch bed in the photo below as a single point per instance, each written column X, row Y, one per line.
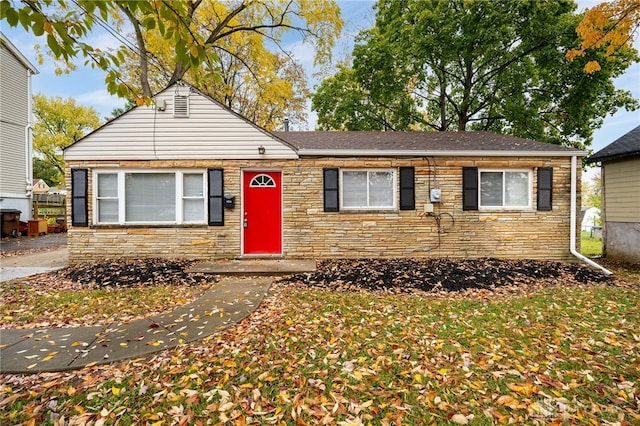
column 443, row 275
column 134, row 272
column 388, row 275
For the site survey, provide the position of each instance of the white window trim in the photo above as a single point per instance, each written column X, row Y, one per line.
column 180, row 197
column 393, row 206
column 529, row 206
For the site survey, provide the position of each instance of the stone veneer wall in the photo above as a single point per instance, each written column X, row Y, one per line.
column 309, row 232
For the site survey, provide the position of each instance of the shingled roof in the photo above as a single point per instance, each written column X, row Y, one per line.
column 418, row 143
column 627, row 145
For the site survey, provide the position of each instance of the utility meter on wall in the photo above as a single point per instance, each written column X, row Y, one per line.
column 435, row 195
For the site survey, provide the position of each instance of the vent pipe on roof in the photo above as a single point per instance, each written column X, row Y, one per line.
column 286, row 124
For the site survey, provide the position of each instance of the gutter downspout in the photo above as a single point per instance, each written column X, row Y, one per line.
column 572, row 241
column 29, row 146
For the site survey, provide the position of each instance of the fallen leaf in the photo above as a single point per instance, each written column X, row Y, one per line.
column 460, row 419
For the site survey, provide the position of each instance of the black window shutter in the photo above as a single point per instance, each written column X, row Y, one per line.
column 407, row 188
column 79, row 197
column 469, row 188
column 330, row 189
column 545, row 188
column 216, row 197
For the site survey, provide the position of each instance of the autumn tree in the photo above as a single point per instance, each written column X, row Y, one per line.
column 247, row 77
column 58, row 123
column 67, row 26
column 592, row 192
column 457, row 65
column 611, row 26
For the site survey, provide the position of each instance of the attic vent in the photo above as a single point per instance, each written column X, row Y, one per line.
column 180, row 106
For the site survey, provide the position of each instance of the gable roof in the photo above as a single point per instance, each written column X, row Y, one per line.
column 419, row 143
column 210, row 130
column 627, row 145
column 213, row 131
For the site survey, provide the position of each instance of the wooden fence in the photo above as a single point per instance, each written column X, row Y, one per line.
column 47, row 206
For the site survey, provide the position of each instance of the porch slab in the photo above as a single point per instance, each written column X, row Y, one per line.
column 255, row 267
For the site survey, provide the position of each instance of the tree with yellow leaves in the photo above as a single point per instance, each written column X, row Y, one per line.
column 195, row 30
column 610, row 25
column 58, row 123
column 244, row 75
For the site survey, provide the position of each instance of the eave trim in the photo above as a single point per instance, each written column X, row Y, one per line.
column 434, row 153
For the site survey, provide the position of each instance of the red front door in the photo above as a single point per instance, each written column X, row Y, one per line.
column 262, row 215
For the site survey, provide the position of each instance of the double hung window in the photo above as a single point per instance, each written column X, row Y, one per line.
column 368, row 189
column 505, row 189
column 150, row 197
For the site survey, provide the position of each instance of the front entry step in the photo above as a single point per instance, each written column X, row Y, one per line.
column 253, row 267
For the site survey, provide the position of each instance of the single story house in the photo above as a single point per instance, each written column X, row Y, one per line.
column 187, row 177
column 620, row 171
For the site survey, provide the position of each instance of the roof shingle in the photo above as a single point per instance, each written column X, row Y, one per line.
column 417, row 141
column 627, row 145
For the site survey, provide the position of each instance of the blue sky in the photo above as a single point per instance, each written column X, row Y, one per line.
column 87, row 86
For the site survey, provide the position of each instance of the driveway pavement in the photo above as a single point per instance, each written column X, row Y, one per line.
column 9, row 245
column 26, row 256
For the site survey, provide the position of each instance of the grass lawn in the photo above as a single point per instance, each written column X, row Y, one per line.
column 590, row 246
column 563, row 355
column 42, row 305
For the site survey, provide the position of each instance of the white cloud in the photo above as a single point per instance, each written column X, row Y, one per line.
column 100, row 100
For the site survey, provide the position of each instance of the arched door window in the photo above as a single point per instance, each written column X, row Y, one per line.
column 262, row 180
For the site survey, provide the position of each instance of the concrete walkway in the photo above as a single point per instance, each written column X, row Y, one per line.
column 37, row 350
column 254, row 267
column 59, row 349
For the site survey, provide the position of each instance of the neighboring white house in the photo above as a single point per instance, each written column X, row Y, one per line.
column 590, row 218
column 15, row 129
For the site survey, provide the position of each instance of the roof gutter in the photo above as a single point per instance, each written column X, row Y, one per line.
column 572, row 241
column 622, row 156
column 434, row 153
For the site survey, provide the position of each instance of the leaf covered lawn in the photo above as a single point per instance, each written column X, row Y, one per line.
column 557, row 355
column 99, row 293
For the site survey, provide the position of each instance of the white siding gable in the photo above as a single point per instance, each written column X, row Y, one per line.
column 208, row 131
column 15, row 124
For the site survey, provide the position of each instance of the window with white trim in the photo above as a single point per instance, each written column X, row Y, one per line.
column 505, row 189
column 107, row 198
column 193, row 199
column 150, row 197
column 368, row 189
